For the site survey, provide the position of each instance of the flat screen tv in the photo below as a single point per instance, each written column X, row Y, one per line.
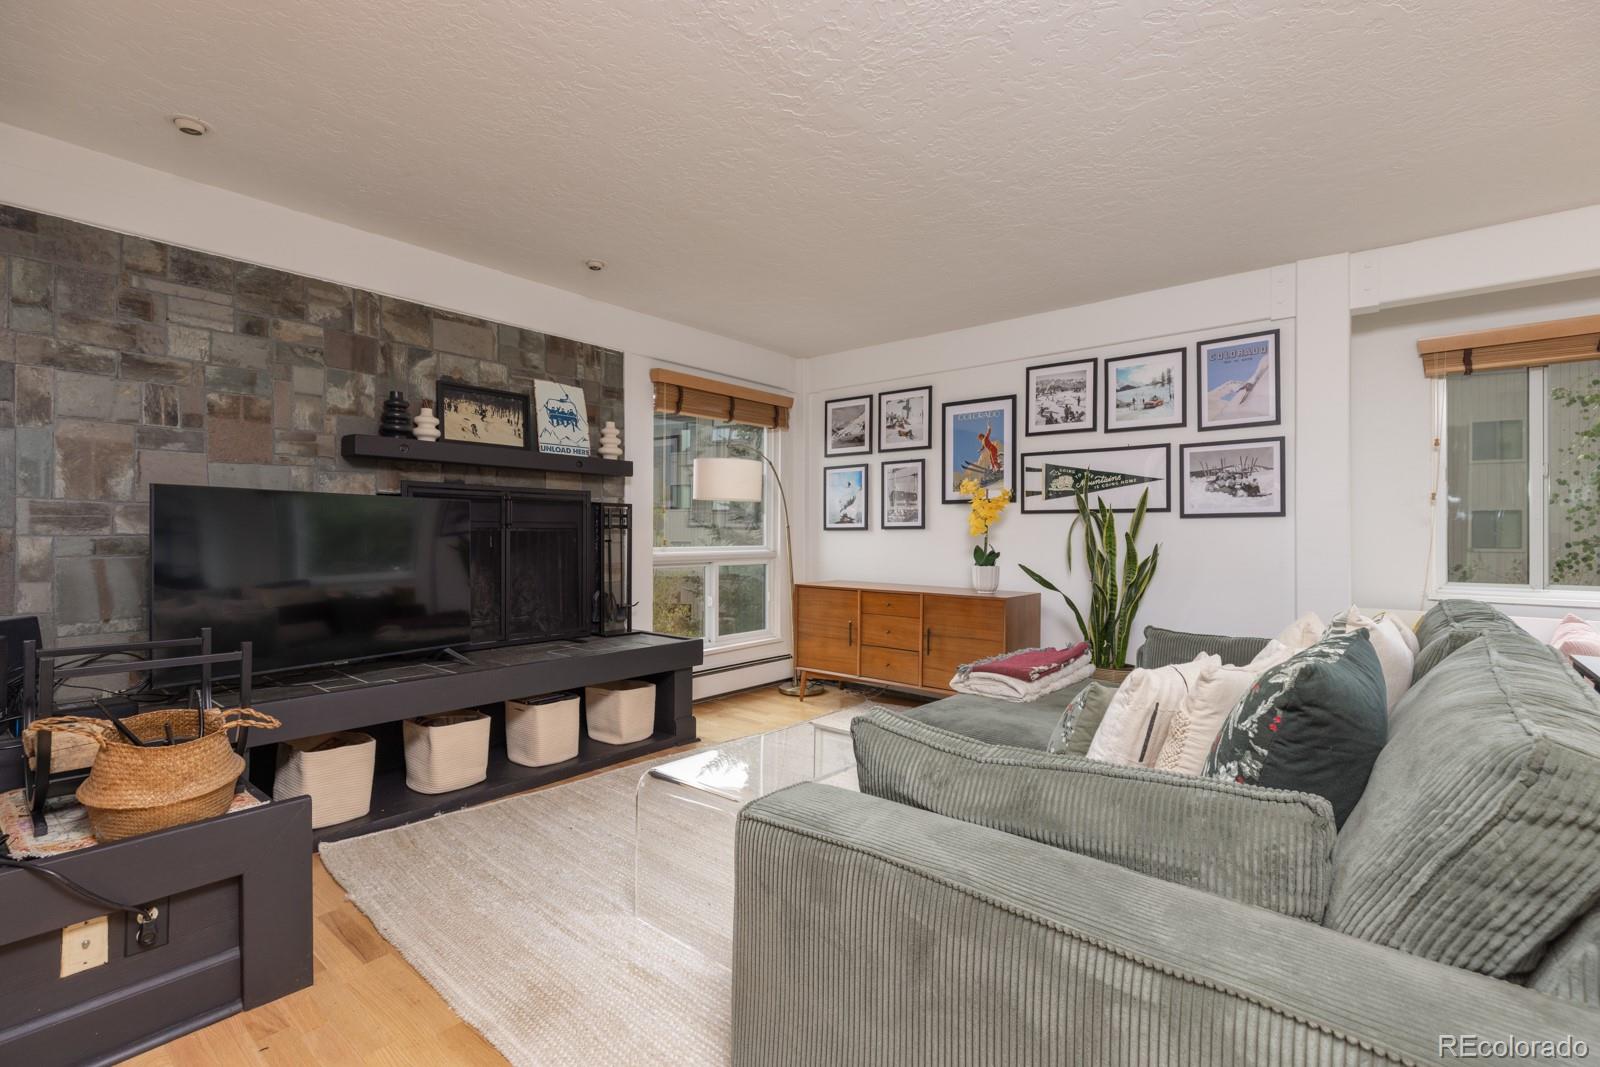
column 310, row 578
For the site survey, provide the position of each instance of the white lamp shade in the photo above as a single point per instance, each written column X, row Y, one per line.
column 729, row 478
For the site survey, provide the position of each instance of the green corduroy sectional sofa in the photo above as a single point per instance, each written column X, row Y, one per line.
column 983, row 901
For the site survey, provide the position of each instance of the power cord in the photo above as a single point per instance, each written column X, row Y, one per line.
column 146, row 917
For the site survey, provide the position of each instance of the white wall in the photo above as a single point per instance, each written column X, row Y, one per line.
column 43, row 174
column 1230, row 575
column 1391, row 427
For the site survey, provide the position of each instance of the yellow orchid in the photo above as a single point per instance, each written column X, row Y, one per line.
column 985, row 512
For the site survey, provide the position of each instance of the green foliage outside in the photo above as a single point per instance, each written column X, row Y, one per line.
column 1575, row 487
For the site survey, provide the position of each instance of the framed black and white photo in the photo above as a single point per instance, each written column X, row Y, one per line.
column 979, row 442
column 905, row 419
column 1060, row 397
column 847, row 426
column 483, row 416
column 844, row 497
column 1232, row 479
column 902, row 486
column 1116, row 475
column 1239, row 381
column 1146, row 391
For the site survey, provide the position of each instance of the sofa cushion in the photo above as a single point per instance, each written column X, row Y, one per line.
column 1473, row 615
column 1478, row 839
column 1163, row 648
column 1440, row 648
column 1316, row 722
column 1263, row 847
column 1571, row 969
column 1136, row 724
column 1078, row 723
column 999, row 721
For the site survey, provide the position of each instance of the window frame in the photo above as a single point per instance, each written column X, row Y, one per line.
column 1537, row 591
column 712, row 559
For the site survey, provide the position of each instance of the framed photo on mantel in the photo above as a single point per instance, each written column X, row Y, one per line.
column 844, row 497
column 979, row 443
column 905, row 419
column 482, row 416
column 904, row 494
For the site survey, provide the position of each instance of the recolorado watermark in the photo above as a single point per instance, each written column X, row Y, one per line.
column 1480, row 1047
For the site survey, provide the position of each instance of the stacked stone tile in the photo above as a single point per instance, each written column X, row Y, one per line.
column 125, row 363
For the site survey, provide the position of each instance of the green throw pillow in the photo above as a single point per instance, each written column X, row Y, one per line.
column 1081, row 719
column 1314, row 723
column 1436, row 651
column 1163, row 648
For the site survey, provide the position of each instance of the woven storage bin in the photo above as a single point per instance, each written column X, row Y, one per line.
column 334, row 770
column 446, row 752
column 542, row 730
column 134, row 789
column 621, row 712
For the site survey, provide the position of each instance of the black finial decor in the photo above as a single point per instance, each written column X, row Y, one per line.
column 396, row 416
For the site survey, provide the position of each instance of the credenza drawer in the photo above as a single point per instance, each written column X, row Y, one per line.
column 903, row 605
column 890, row 664
column 889, row 631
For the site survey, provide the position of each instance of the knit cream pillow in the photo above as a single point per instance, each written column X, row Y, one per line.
column 1135, row 726
column 1200, row 717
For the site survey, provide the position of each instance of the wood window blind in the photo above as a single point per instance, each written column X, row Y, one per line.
column 1537, row 344
column 707, row 398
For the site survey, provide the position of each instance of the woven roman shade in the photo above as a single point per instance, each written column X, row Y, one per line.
column 1537, row 344
column 707, row 398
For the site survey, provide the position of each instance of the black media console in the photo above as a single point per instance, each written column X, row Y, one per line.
column 376, row 697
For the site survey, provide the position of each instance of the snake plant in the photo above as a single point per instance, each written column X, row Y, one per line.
column 1113, row 598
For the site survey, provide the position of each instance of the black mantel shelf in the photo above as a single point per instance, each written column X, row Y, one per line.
column 408, row 449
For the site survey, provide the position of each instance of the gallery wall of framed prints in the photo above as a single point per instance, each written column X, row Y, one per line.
column 1238, row 385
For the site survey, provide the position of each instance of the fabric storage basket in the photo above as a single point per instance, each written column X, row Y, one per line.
column 334, row 770
column 542, row 730
column 446, row 752
column 621, row 712
column 138, row 789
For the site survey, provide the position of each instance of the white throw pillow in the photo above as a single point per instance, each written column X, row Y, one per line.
column 1303, row 632
column 1217, row 691
column 1407, row 634
column 1394, row 655
column 1270, row 656
column 1142, row 708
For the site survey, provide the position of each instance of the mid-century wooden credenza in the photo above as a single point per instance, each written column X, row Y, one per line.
column 909, row 637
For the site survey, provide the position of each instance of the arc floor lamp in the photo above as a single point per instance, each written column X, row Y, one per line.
column 737, row 479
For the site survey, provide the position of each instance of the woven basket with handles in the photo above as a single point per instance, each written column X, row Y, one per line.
column 136, row 790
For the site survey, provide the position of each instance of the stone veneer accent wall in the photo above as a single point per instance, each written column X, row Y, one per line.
column 125, row 362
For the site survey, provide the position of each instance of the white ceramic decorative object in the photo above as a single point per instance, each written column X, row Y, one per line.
column 425, row 427
column 610, row 441
column 985, row 579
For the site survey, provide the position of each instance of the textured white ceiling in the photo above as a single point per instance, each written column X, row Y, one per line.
column 815, row 176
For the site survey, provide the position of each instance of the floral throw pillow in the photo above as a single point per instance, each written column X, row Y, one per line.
column 1315, row 723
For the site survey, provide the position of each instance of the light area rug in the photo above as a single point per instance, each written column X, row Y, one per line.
column 519, row 913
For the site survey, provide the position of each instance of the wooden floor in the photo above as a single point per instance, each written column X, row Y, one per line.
column 367, row 1005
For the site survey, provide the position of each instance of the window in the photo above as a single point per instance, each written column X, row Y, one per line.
column 1521, row 506
column 714, row 560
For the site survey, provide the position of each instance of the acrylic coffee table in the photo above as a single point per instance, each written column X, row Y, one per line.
column 685, row 814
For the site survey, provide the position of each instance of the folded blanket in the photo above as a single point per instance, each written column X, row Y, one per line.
column 970, row 678
column 1028, row 664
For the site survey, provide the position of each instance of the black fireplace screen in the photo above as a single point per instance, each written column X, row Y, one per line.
column 531, row 570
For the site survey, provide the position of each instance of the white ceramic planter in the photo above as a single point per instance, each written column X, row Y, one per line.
column 446, row 752
column 334, row 770
column 542, row 730
column 985, row 579
column 620, row 713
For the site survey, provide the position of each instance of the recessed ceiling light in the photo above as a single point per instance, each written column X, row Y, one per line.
column 190, row 125
column 595, row 264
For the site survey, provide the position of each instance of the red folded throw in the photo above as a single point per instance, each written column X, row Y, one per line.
column 1032, row 664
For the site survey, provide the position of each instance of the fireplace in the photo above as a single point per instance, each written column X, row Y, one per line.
column 531, row 570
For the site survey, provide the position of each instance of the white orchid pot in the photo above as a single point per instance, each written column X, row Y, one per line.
column 985, row 579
